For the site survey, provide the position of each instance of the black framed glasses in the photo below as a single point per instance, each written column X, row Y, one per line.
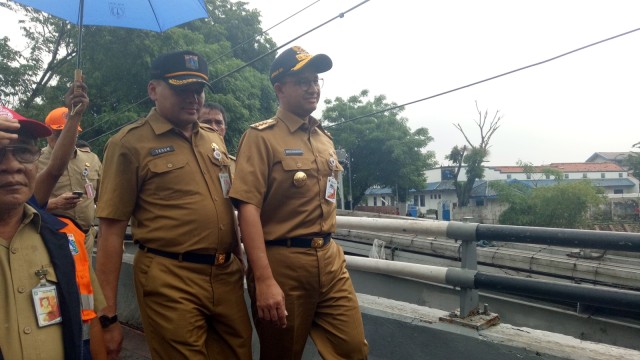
column 25, row 154
column 305, row 83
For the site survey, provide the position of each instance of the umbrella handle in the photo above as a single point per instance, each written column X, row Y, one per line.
column 77, row 76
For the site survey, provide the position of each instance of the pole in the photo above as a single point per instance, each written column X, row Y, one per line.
column 81, row 20
column 350, row 186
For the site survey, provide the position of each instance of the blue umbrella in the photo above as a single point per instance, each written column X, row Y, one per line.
column 154, row 15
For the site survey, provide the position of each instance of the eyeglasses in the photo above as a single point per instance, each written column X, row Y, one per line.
column 23, row 153
column 305, row 83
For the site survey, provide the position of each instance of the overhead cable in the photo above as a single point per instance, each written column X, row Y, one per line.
column 485, row 80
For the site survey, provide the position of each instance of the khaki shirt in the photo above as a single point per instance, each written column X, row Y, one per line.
column 74, row 180
column 170, row 185
column 20, row 335
column 269, row 155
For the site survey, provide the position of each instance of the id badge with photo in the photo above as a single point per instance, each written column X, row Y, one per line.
column 332, row 189
column 225, row 182
column 45, row 302
column 89, row 190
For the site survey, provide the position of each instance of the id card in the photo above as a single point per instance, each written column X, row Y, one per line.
column 45, row 302
column 332, row 189
column 89, row 190
column 225, row 181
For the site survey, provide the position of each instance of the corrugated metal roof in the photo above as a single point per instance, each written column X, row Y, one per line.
column 564, row 167
column 624, row 182
column 379, row 191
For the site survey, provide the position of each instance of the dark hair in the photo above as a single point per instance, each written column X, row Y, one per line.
column 216, row 106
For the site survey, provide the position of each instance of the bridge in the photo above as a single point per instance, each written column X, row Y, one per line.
column 475, row 309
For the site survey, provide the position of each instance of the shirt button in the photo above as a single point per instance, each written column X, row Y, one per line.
column 215, row 198
column 221, row 227
column 14, row 250
column 27, row 330
column 298, row 165
column 21, row 289
column 169, row 165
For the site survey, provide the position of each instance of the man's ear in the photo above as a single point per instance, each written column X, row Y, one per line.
column 152, row 90
column 278, row 88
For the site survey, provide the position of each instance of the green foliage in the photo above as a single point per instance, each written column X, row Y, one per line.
column 472, row 156
column 633, row 161
column 382, row 148
column 116, row 67
column 565, row 205
column 536, row 174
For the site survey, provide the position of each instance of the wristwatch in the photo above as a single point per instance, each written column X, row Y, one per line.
column 106, row 321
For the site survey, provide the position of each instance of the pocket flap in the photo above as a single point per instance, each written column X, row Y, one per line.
column 165, row 164
column 296, row 163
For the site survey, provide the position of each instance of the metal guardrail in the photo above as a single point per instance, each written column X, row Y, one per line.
column 470, row 280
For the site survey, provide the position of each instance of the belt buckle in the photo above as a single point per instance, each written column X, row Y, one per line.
column 317, row 243
column 220, row 258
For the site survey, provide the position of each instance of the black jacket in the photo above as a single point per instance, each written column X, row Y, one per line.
column 57, row 245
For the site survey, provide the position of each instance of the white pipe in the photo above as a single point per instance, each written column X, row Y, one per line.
column 428, row 228
column 429, row 273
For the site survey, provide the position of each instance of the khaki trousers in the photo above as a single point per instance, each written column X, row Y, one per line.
column 320, row 301
column 192, row 311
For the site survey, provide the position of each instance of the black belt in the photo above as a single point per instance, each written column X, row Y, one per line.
column 206, row 259
column 302, row 242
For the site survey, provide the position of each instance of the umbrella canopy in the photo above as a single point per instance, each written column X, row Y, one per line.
column 154, row 15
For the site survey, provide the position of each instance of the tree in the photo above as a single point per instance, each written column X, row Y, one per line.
column 564, row 205
column 116, row 67
column 633, row 161
column 382, row 149
column 472, row 156
column 536, row 173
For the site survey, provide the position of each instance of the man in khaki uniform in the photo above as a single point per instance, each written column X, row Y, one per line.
column 284, row 188
column 82, row 174
column 35, row 256
column 172, row 176
column 213, row 114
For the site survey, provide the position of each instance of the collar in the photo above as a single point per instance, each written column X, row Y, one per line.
column 293, row 122
column 31, row 215
column 161, row 125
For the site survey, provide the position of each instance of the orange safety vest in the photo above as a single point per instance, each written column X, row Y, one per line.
column 81, row 259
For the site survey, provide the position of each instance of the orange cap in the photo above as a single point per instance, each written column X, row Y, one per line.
column 57, row 118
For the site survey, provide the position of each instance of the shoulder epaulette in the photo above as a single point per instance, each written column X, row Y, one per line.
column 264, row 124
column 325, row 132
column 136, row 124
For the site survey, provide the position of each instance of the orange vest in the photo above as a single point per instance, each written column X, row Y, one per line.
column 81, row 259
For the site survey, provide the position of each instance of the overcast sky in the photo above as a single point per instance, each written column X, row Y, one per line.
column 562, row 111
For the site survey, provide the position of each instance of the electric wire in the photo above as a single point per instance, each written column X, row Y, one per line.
column 216, row 59
column 264, row 32
column 485, row 80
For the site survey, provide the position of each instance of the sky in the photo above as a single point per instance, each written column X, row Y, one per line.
column 560, row 111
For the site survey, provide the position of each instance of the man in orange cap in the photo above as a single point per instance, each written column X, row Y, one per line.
column 74, row 194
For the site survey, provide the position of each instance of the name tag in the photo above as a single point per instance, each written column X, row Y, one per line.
column 293, row 152
column 162, row 150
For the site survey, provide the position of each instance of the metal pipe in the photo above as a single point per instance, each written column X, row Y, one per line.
column 610, row 298
column 436, row 274
column 425, row 227
column 560, row 237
